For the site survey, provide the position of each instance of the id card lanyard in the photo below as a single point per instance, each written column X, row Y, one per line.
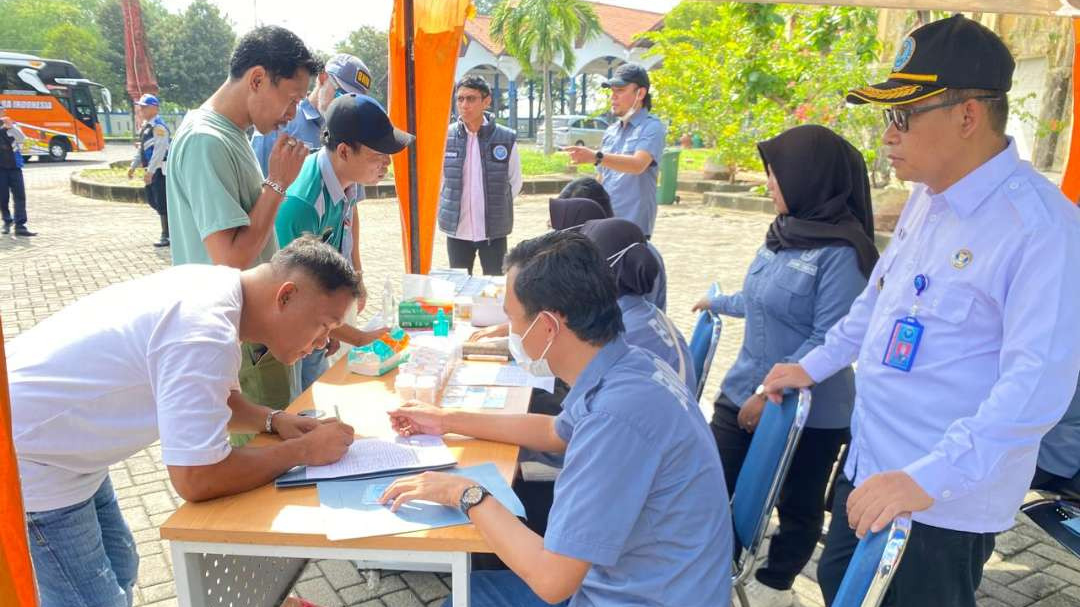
column 907, row 333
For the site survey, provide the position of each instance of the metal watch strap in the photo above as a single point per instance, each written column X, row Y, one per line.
column 270, row 421
column 273, row 185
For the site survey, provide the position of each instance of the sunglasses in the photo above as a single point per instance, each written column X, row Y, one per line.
column 901, row 117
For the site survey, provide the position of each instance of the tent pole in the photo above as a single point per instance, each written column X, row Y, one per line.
column 410, row 113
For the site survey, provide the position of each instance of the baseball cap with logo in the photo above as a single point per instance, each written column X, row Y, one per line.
column 953, row 53
column 350, row 73
column 148, row 99
column 360, row 119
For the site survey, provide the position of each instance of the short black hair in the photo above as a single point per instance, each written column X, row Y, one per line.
column 587, row 187
column 563, row 272
column 311, row 256
column 277, row 50
column 997, row 106
column 476, row 83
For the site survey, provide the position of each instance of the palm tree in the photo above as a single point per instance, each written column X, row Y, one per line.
column 537, row 32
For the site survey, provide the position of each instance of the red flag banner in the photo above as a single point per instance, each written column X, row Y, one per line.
column 139, row 67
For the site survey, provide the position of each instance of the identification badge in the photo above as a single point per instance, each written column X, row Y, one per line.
column 904, row 344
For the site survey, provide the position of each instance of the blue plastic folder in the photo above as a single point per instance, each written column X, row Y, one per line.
column 352, row 510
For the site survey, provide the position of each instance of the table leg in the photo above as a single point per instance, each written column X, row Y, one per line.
column 460, row 568
column 187, row 568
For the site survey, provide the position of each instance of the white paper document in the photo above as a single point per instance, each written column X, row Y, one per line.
column 499, row 375
column 373, row 455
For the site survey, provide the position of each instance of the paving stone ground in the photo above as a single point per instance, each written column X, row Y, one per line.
column 85, row 245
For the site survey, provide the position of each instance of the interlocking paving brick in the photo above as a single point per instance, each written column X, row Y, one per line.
column 402, row 598
column 340, row 573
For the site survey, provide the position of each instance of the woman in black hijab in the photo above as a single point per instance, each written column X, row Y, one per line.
column 817, row 256
column 568, row 213
column 623, row 244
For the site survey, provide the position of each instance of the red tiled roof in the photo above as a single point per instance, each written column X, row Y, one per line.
column 622, row 24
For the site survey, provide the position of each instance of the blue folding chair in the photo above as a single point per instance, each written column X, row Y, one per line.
column 872, row 566
column 762, row 474
column 703, row 341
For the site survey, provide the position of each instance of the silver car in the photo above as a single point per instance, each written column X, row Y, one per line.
column 574, row 129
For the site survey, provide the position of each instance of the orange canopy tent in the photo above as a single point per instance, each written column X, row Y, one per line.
column 425, row 38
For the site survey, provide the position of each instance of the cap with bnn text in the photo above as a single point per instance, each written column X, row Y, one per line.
column 953, row 53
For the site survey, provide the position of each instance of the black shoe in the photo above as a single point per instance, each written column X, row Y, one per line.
column 164, row 242
column 22, row 231
column 7, row 227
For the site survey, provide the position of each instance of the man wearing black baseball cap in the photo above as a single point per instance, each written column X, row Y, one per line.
column 357, row 144
column 965, row 336
column 629, row 155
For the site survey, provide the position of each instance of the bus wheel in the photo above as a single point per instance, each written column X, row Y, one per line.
column 58, row 149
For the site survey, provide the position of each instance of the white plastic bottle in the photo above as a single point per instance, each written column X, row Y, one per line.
column 389, row 309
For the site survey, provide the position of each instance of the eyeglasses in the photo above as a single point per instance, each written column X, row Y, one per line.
column 901, row 117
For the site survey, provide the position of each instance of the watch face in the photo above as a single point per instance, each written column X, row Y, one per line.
column 472, row 495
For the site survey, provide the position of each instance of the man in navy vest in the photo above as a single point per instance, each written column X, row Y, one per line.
column 481, row 177
column 154, row 138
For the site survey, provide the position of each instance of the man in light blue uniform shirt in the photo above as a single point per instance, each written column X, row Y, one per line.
column 628, row 161
column 640, row 514
column 343, row 74
column 946, row 426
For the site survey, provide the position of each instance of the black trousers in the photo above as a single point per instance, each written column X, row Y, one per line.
column 155, row 193
column 462, row 254
column 1048, row 481
column 801, row 504
column 939, row 567
column 12, row 186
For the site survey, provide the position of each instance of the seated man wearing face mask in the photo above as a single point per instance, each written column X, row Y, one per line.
column 637, row 519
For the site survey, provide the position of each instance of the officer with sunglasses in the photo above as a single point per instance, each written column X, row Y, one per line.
column 965, row 336
column 343, row 74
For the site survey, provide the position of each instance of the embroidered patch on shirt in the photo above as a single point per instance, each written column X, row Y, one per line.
column 802, row 266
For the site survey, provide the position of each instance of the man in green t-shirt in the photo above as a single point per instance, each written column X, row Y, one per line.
column 358, row 142
column 221, row 210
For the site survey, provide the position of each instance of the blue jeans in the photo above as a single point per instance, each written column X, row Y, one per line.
column 312, row 367
column 501, row 588
column 84, row 555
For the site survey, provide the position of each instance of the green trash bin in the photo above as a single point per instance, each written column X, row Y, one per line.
column 669, row 177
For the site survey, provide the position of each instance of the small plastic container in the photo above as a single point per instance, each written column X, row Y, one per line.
column 405, row 386
column 427, row 388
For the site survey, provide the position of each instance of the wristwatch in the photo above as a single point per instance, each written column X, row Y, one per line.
column 270, row 420
column 471, row 497
column 599, row 158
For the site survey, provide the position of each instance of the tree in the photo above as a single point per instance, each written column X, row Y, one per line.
column 195, row 50
column 370, row 45
column 540, row 32
column 741, row 73
column 485, row 7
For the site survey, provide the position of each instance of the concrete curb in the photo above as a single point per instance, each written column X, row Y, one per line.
column 106, row 191
column 761, row 204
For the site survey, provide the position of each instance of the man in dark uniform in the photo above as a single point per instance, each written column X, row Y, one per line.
column 154, row 137
column 11, row 177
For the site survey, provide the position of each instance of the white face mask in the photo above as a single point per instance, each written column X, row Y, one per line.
column 538, row 367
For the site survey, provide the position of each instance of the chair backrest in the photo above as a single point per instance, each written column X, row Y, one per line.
column 872, row 566
column 703, row 341
column 763, row 472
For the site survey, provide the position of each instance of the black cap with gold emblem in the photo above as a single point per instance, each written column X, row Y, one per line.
column 953, row 53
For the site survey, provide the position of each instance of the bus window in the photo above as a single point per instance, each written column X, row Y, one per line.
column 84, row 105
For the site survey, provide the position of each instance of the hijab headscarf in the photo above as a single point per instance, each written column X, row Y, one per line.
column 573, row 212
column 827, row 192
column 622, row 244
